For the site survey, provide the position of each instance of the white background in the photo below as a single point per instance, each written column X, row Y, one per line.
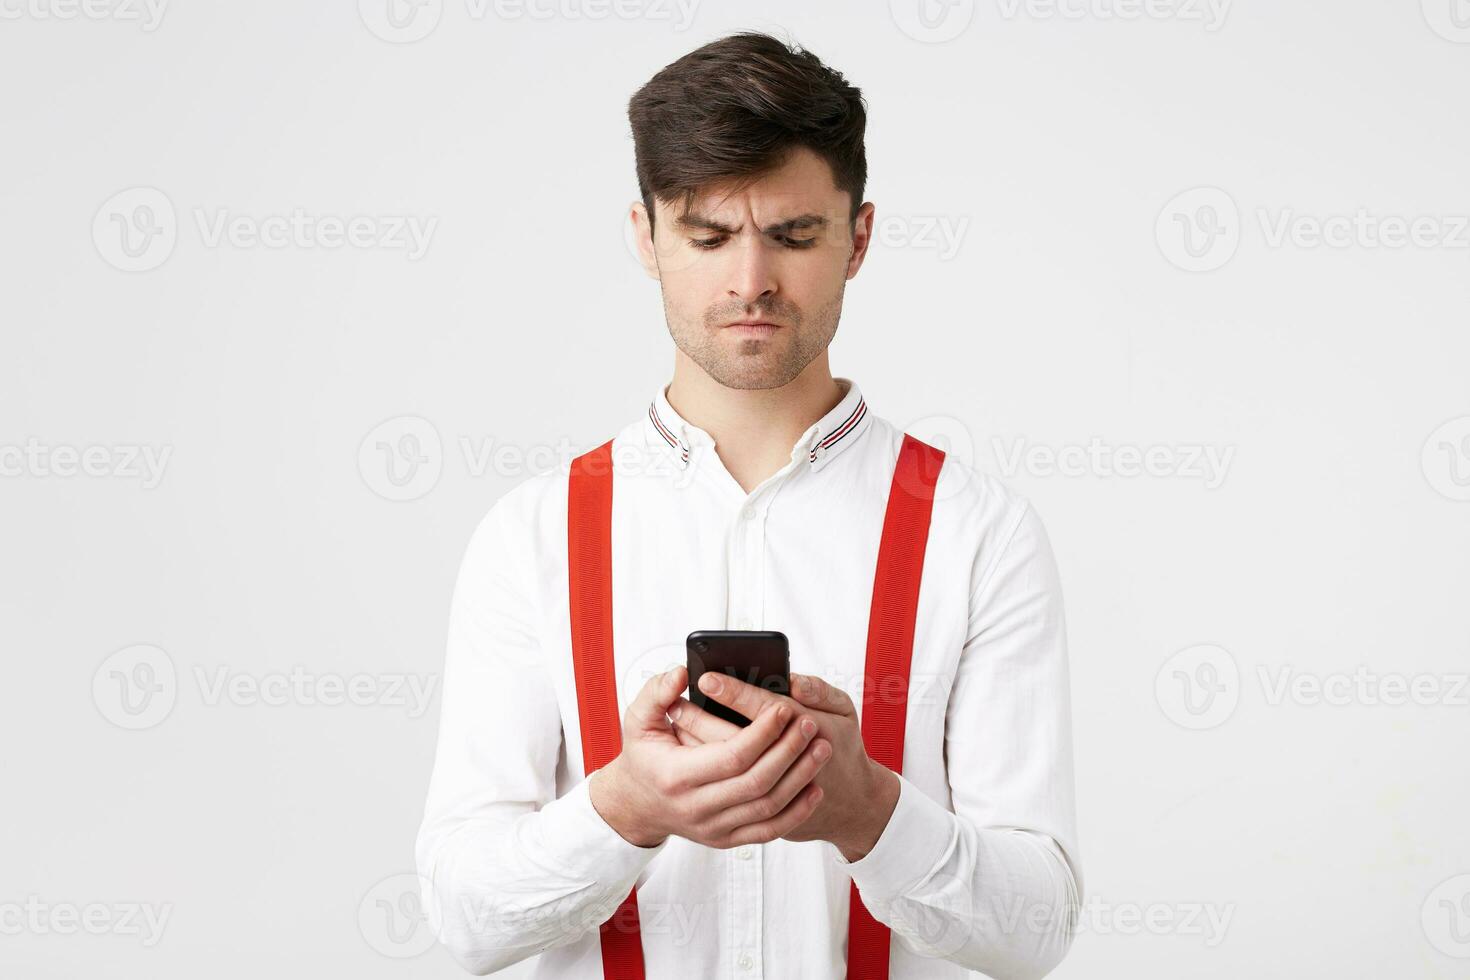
column 1050, row 145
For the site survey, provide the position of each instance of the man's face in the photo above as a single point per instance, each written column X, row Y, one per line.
column 779, row 251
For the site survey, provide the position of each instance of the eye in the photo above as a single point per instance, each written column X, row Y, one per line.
column 706, row 243
column 799, row 242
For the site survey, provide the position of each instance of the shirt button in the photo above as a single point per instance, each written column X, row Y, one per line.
column 747, row 513
column 743, row 852
column 745, row 961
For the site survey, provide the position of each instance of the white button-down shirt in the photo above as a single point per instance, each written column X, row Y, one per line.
column 978, row 866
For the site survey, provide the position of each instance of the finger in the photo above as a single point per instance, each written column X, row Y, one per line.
column 792, row 781
column 748, row 699
column 758, row 779
column 649, row 709
column 814, row 692
column 702, row 724
column 686, row 739
column 714, row 761
column 796, row 813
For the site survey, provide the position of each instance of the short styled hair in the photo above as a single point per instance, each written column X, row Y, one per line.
column 734, row 109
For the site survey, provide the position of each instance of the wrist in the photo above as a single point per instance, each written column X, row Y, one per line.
column 611, row 801
column 883, row 790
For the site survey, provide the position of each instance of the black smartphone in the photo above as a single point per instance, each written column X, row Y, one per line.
column 759, row 657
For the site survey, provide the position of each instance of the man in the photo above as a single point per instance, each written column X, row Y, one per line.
column 752, row 496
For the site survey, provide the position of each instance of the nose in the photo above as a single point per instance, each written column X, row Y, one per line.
column 753, row 276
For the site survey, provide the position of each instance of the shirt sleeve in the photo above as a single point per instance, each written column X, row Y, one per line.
column 995, row 885
column 507, row 868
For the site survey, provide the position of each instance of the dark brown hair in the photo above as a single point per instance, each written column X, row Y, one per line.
column 732, row 110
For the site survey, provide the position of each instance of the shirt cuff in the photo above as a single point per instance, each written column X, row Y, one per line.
column 585, row 844
column 919, row 835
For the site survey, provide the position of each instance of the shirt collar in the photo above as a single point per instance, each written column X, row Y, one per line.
column 830, row 435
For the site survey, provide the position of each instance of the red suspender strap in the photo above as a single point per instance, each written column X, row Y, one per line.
column 890, row 653
column 589, row 577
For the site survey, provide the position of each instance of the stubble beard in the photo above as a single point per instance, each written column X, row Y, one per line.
column 756, row 362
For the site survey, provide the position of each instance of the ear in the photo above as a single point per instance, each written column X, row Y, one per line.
column 643, row 239
column 862, row 237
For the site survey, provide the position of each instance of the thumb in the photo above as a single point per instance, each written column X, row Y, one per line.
column 650, row 708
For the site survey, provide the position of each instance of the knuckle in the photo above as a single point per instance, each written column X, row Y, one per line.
column 748, row 786
column 731, row 763
column 764, row 808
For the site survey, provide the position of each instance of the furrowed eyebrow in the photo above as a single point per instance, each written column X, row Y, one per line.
column 799, row 223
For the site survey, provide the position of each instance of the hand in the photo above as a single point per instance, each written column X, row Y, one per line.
column 859, row 795
column 748, row 789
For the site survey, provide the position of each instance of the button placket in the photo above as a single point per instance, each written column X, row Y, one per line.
column 744, row 610
column 746, row 573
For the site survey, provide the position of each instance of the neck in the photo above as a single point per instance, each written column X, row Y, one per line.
column 753, row 428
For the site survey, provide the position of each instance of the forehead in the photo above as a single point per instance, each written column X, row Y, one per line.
column 803, row 183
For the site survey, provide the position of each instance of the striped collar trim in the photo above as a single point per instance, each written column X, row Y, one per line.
column 844, row 431
column 833, row 433
column 668, row 436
